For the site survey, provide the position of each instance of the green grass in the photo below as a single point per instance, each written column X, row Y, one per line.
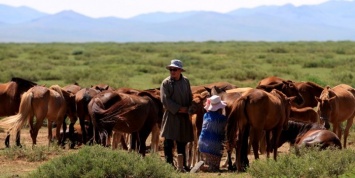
column 142, row 65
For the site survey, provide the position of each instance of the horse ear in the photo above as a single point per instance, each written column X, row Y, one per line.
column 292, row 98
column 332, row 98
column 208, row 89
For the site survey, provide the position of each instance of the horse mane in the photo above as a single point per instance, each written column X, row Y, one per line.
column 22, row 81
column 314, row 85
column 305, row 127
column 268, row 88
column 296, row 130
column 278, row 92
column 326, row 92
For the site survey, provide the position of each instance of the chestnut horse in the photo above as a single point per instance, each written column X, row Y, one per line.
column 40, row 102
column 306, row 114
column 308, row 91
column 337, row 105
column 285, row 86
column 260, row 111
column 308, row 134
column 10, row 98
column 123, row 113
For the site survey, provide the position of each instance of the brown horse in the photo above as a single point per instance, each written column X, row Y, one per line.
column 308, row 91
column 201, row 88
column 309, row 134
column 306, row 114
column 285, row 86
column 155, row 138
column 10, row 98
column 82, row 99
column 196, row 112
column 71, row 113
column 123, row 113
column 337, row 105
column 40, row 102
column 260, row 111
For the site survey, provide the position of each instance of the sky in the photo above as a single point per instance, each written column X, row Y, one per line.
column 130, row 8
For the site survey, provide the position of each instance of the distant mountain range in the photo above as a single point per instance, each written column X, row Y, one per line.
column 333, row 20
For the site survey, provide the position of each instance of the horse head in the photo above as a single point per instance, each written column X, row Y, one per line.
column 102, row 87
column 286, row 103
column 290, row 89
column 198, row 101
column 325, row 105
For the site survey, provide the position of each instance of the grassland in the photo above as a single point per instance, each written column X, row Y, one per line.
column 142, row 65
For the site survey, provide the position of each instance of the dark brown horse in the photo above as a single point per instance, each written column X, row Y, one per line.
column 337, row 105
column 10, row 98
column 82, row 99
column 308, row 91
column 115, row 112
column 261, row 111
column 285, row 86
column 135, row 141
column 71, row 113
column 39, row 102
column 308, row 134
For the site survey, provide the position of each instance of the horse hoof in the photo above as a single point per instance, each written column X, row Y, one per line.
column 232, row 168
column 72, row 146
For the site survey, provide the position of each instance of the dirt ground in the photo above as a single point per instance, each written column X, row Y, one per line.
column 16, row 168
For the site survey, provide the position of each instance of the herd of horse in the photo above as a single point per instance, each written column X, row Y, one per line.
column 266, row 116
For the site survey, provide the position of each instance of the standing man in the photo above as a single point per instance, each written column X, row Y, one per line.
column 176, row 96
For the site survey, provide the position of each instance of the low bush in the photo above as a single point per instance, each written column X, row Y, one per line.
column 98, row 161
column 311, row 163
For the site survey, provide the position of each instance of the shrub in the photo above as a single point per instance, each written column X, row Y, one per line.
column 98, row 161
column 311, row 163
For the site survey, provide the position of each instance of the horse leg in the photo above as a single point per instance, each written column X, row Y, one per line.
column 255, row 139
column 82, row 126
column 155, row 139
column 133, row 141
column 262, row 143
column 143, row 135
column 337, row 129
column 90, row 131
column 18, row 139
column 60, row 140
column 64, row 137
column 244, row 161
column 50, row 135
column 116, row 137
column 267, row 142
column 275, row 140
column 123, row 142
column 7, row 140
column 349, row 123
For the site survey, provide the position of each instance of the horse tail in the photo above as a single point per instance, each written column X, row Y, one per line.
column 16, row 122
column 58, row 89
column 235, row 121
